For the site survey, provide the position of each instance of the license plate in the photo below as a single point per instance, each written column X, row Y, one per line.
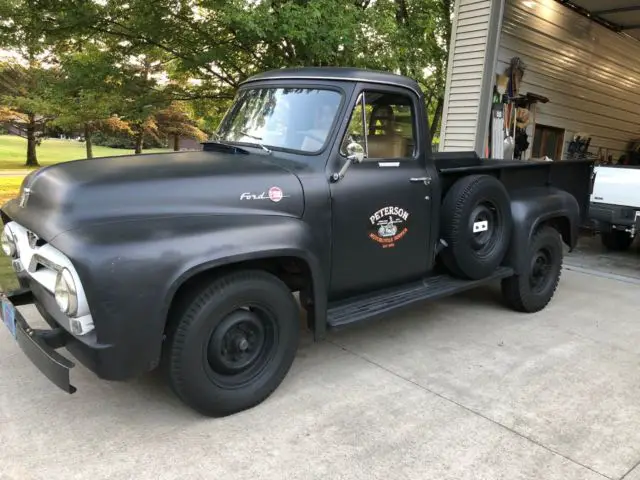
column 8, row 312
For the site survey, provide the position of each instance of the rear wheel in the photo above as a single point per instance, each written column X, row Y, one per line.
column 617, row 240
column 476, row 224
column 534, row 288
column 233, row 343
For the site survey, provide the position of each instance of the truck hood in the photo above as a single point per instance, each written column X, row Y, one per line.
column 129, row 188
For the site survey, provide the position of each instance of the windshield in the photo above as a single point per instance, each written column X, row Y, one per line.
column 287, row 118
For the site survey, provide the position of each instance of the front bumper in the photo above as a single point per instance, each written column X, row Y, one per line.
column 107, row 361
column 38, row 345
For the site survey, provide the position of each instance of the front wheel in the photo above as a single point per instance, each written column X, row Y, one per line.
column 233, row 343
column 534, row 288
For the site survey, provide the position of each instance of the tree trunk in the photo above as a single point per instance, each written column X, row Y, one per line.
column 176, row 143
column 32, row 158
column 139, row 142
column 87, row 140
column 437, row 116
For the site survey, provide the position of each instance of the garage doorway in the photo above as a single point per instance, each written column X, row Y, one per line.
column 548, row 141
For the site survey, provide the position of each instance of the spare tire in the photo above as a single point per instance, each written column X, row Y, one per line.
column 475, row 222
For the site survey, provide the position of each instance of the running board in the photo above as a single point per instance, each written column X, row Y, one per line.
column 382, row 302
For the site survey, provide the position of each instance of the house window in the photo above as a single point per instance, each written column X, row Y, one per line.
column 548, row 141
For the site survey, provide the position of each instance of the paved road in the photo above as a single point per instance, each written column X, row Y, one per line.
column 457, row 389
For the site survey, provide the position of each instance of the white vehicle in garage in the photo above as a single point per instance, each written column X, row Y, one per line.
column 615, row 205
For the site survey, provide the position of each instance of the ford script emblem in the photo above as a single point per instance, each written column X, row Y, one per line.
column 24, row 197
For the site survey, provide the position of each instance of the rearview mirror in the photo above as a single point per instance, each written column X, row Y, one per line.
column 355, row 152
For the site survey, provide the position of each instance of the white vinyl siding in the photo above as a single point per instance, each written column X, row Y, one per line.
column 590, row 74
column 467, row 69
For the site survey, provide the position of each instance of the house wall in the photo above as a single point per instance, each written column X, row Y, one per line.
column 590, row 74
column 472, row 60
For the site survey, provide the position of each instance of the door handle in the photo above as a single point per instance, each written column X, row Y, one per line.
column 425, row 180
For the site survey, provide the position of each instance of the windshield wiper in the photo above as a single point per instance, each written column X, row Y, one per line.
column 256, row 138
column 215, row 139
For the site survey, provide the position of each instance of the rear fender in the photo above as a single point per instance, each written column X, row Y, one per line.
column 531, row 208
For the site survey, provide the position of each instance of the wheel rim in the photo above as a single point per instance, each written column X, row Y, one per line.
column 240, row 346
column 483, row 223
column 541, row 270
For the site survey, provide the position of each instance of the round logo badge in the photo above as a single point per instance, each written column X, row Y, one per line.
column 275, row 194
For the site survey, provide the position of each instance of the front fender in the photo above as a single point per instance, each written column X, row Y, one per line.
column 130, row 271
column 532, row 207
column 284, row 238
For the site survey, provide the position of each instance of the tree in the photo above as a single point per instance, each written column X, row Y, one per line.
column 25, row 82
column 222, row 42
column 140, row 90
column 26, row 99
column 88, row 96
column 176, row 121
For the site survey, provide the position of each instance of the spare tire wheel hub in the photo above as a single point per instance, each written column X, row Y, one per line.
column 480, row 226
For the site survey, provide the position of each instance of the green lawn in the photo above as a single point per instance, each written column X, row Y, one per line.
column 13, row 151
column 9, row 187
column 8, row 279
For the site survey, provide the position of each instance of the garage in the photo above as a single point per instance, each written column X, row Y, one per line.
column 551, row 80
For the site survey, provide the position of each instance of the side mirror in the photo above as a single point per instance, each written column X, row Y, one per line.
column 355, row 154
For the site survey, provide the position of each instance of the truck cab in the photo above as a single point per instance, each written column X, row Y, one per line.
column 319, row 182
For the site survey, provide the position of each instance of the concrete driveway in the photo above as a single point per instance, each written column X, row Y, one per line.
column 458, row 389
column 590, row 254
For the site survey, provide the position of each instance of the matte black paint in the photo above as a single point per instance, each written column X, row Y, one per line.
column 533, row 206
column 138, row 227
column 378, row 303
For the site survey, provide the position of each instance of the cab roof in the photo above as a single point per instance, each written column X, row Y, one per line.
column 346, row 74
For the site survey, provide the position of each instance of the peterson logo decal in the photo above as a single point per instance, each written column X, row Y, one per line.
column 389, row 226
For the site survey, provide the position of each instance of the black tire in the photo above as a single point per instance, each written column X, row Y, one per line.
column 532, row 290
column 616, row 240
column 471, row 200
column 223, row 357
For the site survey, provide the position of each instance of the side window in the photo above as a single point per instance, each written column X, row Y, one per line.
column 386, row 130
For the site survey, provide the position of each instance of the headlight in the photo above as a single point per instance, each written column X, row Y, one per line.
column 9, row 246
column 66, row 293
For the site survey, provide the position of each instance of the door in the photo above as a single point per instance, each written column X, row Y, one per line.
column 548, row 141
column 380, row 209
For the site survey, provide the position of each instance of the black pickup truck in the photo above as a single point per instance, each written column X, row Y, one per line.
column 320, row 182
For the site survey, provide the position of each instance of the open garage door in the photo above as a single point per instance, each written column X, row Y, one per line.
column 618, row 15
column 578, row 62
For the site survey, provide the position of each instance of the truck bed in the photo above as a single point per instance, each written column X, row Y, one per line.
column 521, row 174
